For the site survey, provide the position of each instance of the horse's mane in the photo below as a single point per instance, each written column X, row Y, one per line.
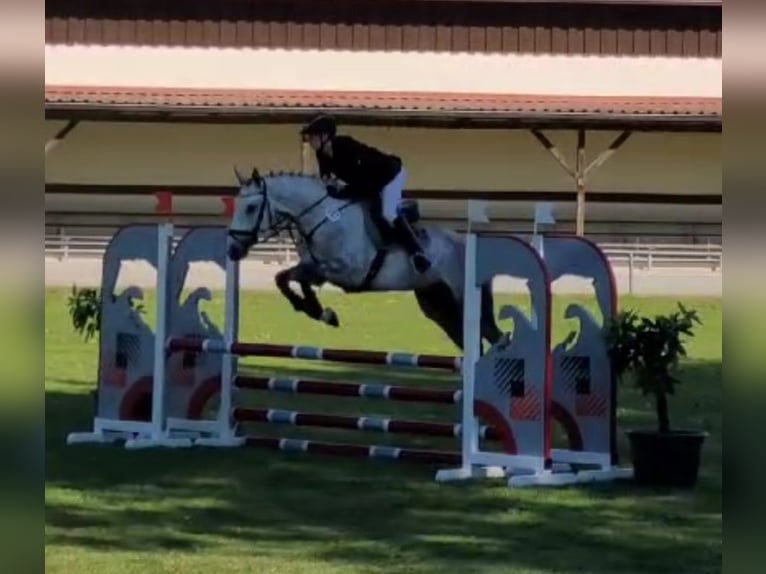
column 287, row 174
column 293, row 174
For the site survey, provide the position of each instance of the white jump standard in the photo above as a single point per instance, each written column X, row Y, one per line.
column 509, row 396
column 131, row 356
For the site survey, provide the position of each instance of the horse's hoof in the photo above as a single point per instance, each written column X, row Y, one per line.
column 330, row 317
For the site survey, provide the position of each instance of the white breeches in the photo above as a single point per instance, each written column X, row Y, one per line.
column 392, row 195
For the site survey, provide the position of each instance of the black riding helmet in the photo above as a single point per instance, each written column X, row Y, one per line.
column 319, row 125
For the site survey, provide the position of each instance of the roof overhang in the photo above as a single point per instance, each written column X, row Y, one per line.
column 405, row 109
column 596, row 2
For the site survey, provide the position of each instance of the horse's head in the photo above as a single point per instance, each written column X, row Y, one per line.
column 253, row 214
column 271, row 204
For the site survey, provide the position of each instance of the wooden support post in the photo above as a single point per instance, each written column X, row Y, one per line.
column 580, row 172
column 60, row 135
column 580, row 180
column 548, row 144
column 583, row 171
column 608, row 152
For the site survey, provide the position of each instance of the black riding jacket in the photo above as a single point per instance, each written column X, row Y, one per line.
column 364, row 169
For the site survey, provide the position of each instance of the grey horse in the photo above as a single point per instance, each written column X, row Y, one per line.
column 338, row 243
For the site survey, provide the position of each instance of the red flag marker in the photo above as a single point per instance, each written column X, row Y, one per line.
column 228, row 206
column 164, row 202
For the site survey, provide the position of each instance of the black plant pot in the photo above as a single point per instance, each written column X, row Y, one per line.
column 667, row 459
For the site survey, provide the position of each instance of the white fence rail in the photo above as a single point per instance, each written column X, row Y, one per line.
column 71, row 246
column 648, row 256
column 631, row 255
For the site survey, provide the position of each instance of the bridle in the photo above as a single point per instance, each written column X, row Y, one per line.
column 251, row 237
column 279, row 221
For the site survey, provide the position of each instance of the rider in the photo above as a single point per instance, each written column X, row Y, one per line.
column 368, row 174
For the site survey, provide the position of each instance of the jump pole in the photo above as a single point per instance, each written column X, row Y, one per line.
column 347, row 356
column 368, row 390
column 222, row 431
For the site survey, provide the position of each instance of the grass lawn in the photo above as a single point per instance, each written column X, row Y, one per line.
column 109, row 511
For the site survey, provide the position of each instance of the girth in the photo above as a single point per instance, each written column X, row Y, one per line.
column 372, row 272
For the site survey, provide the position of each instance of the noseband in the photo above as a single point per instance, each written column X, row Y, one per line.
column 251, row 236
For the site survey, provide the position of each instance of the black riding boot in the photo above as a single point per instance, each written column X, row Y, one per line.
column 406, row 237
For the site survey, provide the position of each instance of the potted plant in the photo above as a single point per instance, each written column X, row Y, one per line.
column 85, row 311
column 648, row 351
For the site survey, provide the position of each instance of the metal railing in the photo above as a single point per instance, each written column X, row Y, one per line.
column 64, row 247
column 649, row 256
column 279, row 251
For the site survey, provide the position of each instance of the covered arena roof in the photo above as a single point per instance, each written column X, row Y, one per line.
column 426, row 109
column 616, row 2
column 676, row 28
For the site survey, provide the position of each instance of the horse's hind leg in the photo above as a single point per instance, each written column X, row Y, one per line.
column 439, row 305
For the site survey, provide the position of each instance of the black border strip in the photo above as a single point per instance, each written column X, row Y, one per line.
column 421, row 194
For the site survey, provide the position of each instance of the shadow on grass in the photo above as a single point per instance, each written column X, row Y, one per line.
column 380, row 515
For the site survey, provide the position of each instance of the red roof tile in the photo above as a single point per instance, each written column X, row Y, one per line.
column 399, row 101
column 426, row 106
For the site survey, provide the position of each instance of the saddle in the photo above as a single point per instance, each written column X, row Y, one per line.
column 373, row 221
column 383, row 242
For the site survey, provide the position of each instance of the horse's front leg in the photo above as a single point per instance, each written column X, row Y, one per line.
column 282, row 280
column 308, row 278
column 314, row 307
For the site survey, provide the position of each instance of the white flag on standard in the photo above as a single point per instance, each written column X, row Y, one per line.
column 544, row 213
column 477, row 211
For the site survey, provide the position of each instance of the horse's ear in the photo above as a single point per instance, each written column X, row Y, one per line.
column 256, row 174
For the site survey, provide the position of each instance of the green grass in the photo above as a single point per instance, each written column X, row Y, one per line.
column 110, row 511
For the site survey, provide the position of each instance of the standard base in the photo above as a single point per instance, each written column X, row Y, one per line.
column 471, row 472
column 161, row 442
column 210, row 433
column 197, row 427
column 95, row 437
column 561, row 475
column 550, row 478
